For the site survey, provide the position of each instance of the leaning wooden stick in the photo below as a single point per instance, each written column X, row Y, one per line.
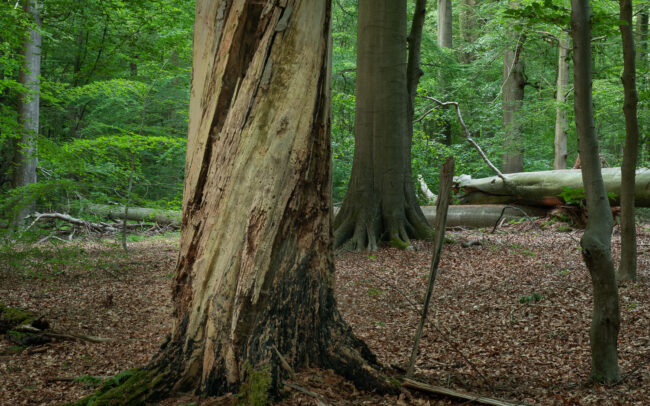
column 444, row 192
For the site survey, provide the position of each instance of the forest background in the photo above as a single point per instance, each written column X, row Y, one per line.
column 115, row 84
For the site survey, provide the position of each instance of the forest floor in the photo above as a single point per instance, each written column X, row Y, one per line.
column 509, row 319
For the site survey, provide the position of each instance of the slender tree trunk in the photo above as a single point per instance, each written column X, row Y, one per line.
column 444, row 41
column 444, row 24
column 467, row 20
column 561, row 116
column 380, row 203
column 596, row 241
column 413, row 70
column 254, row 277
column 25, row 158
column 513, row 98
column 627, row 267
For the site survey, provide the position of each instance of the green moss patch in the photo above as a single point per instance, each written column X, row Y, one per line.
column 11, row 317
column 128, row 388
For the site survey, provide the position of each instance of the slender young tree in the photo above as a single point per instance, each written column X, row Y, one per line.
column 25, row 159
column 627, row 266
column 596, row 242
column 380, row 203
column 561, row 116
column 254, row 279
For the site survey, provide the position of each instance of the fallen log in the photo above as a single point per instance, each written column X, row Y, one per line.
column 484, row 215
column 457, row 216
column 544, row 188
column 169, row 217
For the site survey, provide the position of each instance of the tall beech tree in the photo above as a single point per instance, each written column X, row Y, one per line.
column 25, row 160
column 514, row 83
column 627, row 267
column 254, row 278
column 596, row 242
column 380, row 203
column 561, row 116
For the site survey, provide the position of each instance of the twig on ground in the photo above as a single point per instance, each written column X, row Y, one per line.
column 306, row 392
column 409, row 383
column 503, row 211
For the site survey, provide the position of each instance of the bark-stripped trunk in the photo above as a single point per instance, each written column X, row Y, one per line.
column 561, row 116
column 513, row 98
column 380, row 203
column 627, row 267
column 444, row 24
column 545, row 188
column 255, row 271
column 596, row 241
column 467, row 24
column 25, row 160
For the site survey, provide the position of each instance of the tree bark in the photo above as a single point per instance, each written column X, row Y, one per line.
column 467, row 24
column 25, row 159
column 627, row 266
column 380, row 203
column 545, row 188
column 444, row 24
column 596, row 241
column 561, row 116
column 254, row 277
column 513, row 98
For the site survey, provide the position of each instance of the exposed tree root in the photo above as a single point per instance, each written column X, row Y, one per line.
column 361, row 226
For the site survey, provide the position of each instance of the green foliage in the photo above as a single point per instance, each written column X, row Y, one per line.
column 256, row 385
column 572, row 196
column 530, row 299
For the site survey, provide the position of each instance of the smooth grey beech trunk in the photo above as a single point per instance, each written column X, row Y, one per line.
column 513, row 98
column 561, row 115
column 25, row 159
column 627, row 266
column 444, row 24
column 596, row 241
column 467, row 24
column 380, row 203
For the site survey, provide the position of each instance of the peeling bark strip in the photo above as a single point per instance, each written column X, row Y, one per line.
column 255, row 271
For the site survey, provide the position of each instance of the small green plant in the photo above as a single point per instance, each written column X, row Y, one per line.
column 565, row 272
column 372, row 256
column 372, row 291
column 573, row 196
column 529, row 299
column 255, row 389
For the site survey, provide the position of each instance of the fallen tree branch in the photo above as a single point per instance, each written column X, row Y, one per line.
column 410, row 383
column 70, row 336
column 504, row 211
column 306, row 392
column 468, row 135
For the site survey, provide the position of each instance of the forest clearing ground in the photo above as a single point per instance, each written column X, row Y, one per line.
column 535, row 352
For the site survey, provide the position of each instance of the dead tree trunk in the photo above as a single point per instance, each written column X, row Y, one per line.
column 596, row 241
column 254, row 277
